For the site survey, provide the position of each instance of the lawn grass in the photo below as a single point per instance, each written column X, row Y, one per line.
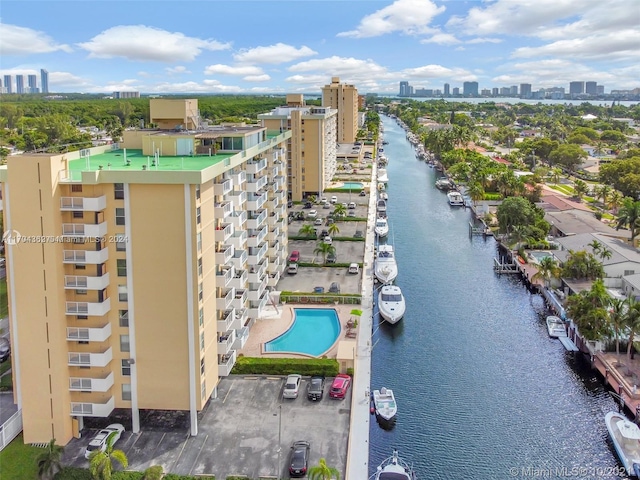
column 4, row 303
column 18, row 461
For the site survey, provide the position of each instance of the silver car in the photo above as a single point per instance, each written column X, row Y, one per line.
column 292, row 386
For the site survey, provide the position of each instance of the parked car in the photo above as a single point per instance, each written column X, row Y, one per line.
column 315, row 388
column 351, row 214
column 317, row 221
column 292, row 269
column 312, row 214
column 358, row 234
column 328, row 240
column 334, row 287
column 290, row 204
column 331, row 257
column 318, row 289
column 292, row 386
column 352, row 205
column 308, row 205
column 299, row 459
column 363, row 193
column 334, row 199
column 324, row 200
column 354, row 268
column 340, row 386
column 324, row 233
column 326, row 206
column 294, row 257
column 5, row 349
column 99, row 442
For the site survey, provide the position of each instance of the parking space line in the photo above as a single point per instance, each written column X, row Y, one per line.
column 184, row 444
column 195, row 462
column 154, row 450
column 228, row 391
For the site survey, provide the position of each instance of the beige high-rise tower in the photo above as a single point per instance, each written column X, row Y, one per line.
column 134, row 276
column 344, row 98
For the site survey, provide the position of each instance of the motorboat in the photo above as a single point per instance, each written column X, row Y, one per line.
column 382, row 176
column 381, row 187
column 384, row 196
column 444, row 184
column 625, row 436
column 385, row 404
column 455, row 198
column 381, row 206
column 386, row 268
column 382, row 227
column 391, row 304
column 555, row 327
column 394, row 468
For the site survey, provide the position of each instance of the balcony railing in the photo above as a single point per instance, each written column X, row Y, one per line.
column 84, row 230
column 239, row 178
column 225, row 319
column 238, row 239
column 256, row 166
column 242, row 335
column 226, row 341
column 93, row 409
column 85, row 384
column 83, row 204
column 88, row 308
column 256, row 307
column 223, row 209
column 273, row 278
column 87, row 359
column 257, row 272
column 224, row 253
column 240, row 279
column 256, row 255
column 256, row 219
column 89, row 334
column 273, row 234
column 224, row 297
column 224, row 231
column 84, row 282
column 240, row 300
column 256, row 202
column 224, row 276
column 256, row 237
column 222, row 187
column 238, row 219
column 257, row 289
column 256, row 184
column 226, row 363
column 239, row 259
column 86, row 257
column 238, row 198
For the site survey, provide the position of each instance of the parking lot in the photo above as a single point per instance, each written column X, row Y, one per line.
column 238, row 433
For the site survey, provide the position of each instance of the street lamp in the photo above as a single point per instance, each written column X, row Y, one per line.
column 279, row 449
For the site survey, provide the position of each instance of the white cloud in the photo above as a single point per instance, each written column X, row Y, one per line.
column 26, row 41
column 332, row 66
column 257, row 78
column 231, row 70
column 407, row 16
column 273, row 54
column 177, row 70
column 484, row 40
column 207, row 86
column 427, row 72
column 142, row 43
column 442, row 39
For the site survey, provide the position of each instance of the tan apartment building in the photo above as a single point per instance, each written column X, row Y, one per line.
column 344, row 98
column 133, row 277
column 312, row 146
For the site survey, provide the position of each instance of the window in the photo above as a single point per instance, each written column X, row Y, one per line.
column 203, row 389
column 81, row 292
column 201, row 317
column 121, row 242
column 202, row 367
column 202, row 341
column 200, row 267
column 126, row 367
column 80, row 267
column 82, row 317
column 118, row 191
column 198, row 215
column 126, row 391
column 76, row 188
column 122, row 267
column 78, row 214
column 124, row 343
column 629, row 272
column 199, row 241
column 197, row 192
column 119, row 216
column 122, row 293
column 124, row 318
column 200, row 295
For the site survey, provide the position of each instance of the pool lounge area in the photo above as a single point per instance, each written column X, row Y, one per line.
column 353, row 186
column 536, row 256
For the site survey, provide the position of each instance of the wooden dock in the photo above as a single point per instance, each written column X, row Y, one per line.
column 505, row 267
column 482, row 230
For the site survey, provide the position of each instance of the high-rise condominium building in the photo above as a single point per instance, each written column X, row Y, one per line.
column 513, row 90
column 576, row 88
column 456, row 90
column 126, row 95
column 312, row 146
column 44, row 80
column 591, row 88
column 525, row 90
column 344, row 98
column 154, row 262
column 470, row 88
column 8, row 84
column 20, row 84
column 33, row 84
column 404, row 89
column 447, row 89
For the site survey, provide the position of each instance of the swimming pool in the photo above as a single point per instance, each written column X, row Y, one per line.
column 313, row 332
column 538, row 255
column 354, row 186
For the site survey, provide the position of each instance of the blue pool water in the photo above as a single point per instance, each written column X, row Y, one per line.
column 355, row 186
column 313, row 332
column 539, row 255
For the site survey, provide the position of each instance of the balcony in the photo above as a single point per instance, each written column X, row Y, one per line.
column 88, row 308
column 272, row 203
column 84, row 230
column 226, row 341
column 92, row 409
column 222, row 209
column 75, row 282
column 239, row 178
column 240, row 279
column 83, row 204
column 280, row 210
column 224, row 253
column 224, row 297
column 225, row 319
column 86, row 359
column 256, row 307
column 86, row 257
column 256, row 219
column 256, row 166
column 85, row 384
column 274, row 264
column 240, row 300
column 238, row 199
column 242, row 316
column 256, row 237
column 222, row 187
column 273, row 279
column 279, row 182
column 278, row 189
column 256, row 202
column 238, row 219
column 257, row 272
column 239, row 259
column 272, row 219
column 224, row 231
column 226, row 363
column 256, row 255
column 241, row 338
column 256, row 184
column 224, row 276
column 274, row 248
column 88, row 334
column 273, row 234
column 256, row 290
column 238, row 239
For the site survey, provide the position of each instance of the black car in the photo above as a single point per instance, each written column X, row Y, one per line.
column 324, row 233
column 299, row 459
column 290, row 204
column 331, row 258
column 315, row 388
column 334, row 288
column 363, row 193
column 308, row 205
column 358, row 234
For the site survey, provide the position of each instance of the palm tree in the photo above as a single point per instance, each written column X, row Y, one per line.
column 307, row 230
column 556, row 173
column 324, row 249
column 547, row 270
column 333, row 229
column 340, row 210
column 49, row 461
column 615, row 200
column 101, row 463
column 476, row 192
column 322, row 471
column 632, row 322
column 617, row 319
column 596, row 246
column 629, row 215
column 603, row 192
column 580, row 189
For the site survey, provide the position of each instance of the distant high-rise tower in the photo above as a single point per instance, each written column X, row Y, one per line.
column 7, row 84
column 447, row 88
column 33, row 83
column 470, row 89
column 456, row 90
column 19, row 83
column 495, row 91
column 525, row 90
column 576, row 88
column 591, row 88
column 44, row 81
column 600, row 89
column 513, row 90
column 404, row 89
column 343, row 98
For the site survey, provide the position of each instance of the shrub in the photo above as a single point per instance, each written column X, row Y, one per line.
column 350, row 371
column 73, row 473
column 285, row 366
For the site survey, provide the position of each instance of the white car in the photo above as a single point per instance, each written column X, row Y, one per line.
column 99, row 442
column 327, row 240
column 312, row 214
column 292, row 386
column 352, row 205
column 354, row 268
column 324, row 200
column 334, row 199
column 318, row 221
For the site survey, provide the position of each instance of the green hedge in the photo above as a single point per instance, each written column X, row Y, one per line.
column 331, row 265
column 285, row 366
column 73, row 473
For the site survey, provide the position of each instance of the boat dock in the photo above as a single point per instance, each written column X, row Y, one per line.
column 568, row 344
column 505, row 267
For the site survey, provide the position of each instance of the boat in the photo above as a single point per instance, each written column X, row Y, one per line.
column 391, row 303
column 555, row 327
column 625, row 436
column 455, row 198
column 384, row 196
column 385, row 404
column 382, row 227
column 386, row 268
column 381, row 187
column 444, row 184
column 382, row 176
column 394, row 468
column 381, row 206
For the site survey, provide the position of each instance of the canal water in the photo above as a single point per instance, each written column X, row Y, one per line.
column 482, row 391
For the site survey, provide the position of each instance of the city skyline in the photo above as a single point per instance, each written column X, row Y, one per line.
column 199, row 48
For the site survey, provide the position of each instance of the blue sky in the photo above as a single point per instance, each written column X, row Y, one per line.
column 229, row 46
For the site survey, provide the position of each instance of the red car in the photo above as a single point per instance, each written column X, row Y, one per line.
column 340, row 386
column 294, row 257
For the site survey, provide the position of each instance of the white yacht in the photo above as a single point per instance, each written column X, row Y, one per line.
column 391, row 303
column 394, row 468
column 384, row 196
column 382, row 227
column 381, row 206
column 382, row 176
column 455, row 198
column 555, row 327
column 386, row 268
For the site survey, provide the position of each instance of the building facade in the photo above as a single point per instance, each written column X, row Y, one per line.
column 44, row 80
column 8, row 84
column 591, row 88
column 33, row 84
column 576, row 88
column 470, row 89
column 447, row 89
column 343, row 98
column 155, row 269
column 525, row 90
column 20, row 84
column 126, row 95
